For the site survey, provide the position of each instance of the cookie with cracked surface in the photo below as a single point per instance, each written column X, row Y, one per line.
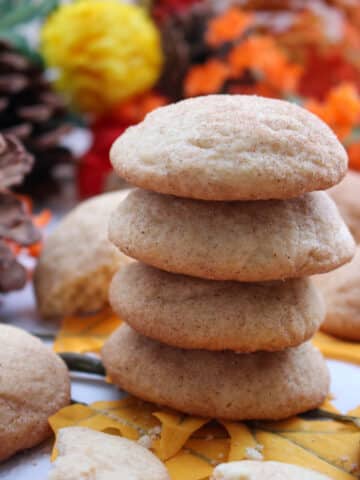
column 194, row 313
column 242, row 241
column 230, row 147
column 34, row 384
column 226, row 385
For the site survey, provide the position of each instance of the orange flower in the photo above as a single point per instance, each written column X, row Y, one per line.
column 340, row 110
column 354, row 156
column 228, row 26
column 262, row 55
column 206, row 79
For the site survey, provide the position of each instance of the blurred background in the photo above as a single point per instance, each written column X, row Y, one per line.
column 74, row 75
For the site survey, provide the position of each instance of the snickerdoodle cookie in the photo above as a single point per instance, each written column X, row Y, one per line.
column 347, row 197
column 341, row 290
column 190, row 312
column 34, row 384
column 230, row 147
column 243, row 241
column 226, row 385
column 78, row 261
column 88, row 454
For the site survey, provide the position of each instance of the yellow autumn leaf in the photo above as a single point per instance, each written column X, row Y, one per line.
column 328, row 406
column 86, row 333
column 176, row 429
column 340, row 449
column 213, row 450
column 355, row 412
column 332, row 347
column 298, row 424
column 131, row 417
column 241, row 440
column 279, row 448
column 193, row 446
column 198, row 458
column 187, row 466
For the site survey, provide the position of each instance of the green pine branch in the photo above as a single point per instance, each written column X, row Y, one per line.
column 14, row 13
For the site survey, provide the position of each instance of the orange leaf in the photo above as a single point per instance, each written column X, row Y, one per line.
column 86, row 333
column 354, row 156
column 228, row 26
column 43, row 218
column 332, row 347
column 35, row 249
column 206, row 79
column 340, row 109
column 262, row 55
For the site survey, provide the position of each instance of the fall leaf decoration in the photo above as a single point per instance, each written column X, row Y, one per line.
column 354, row 155
column 340, row 109
column 87, row 333
column 191, row 447
column 243, row 55
column 337, row 349
column 228, row 27
column 207, row 78
column 299, row 43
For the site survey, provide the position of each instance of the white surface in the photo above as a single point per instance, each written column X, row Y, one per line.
column 18, row 309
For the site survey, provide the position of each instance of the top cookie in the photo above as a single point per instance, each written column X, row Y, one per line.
column 230, row 147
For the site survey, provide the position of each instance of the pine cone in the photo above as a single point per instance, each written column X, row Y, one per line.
column 15, row 162
column 31, row 111
column 183, row 44
column 15, row 224
column 12, row 273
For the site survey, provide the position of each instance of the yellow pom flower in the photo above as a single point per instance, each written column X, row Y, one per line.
column 105, row 51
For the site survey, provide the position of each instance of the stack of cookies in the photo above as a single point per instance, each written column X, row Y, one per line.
column 220, row 326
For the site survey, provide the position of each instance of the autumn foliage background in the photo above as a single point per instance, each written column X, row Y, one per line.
column 306, row 52
column 138, row 56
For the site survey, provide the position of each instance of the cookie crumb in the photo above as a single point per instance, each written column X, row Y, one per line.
column 253, row 454
column 145, row 441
